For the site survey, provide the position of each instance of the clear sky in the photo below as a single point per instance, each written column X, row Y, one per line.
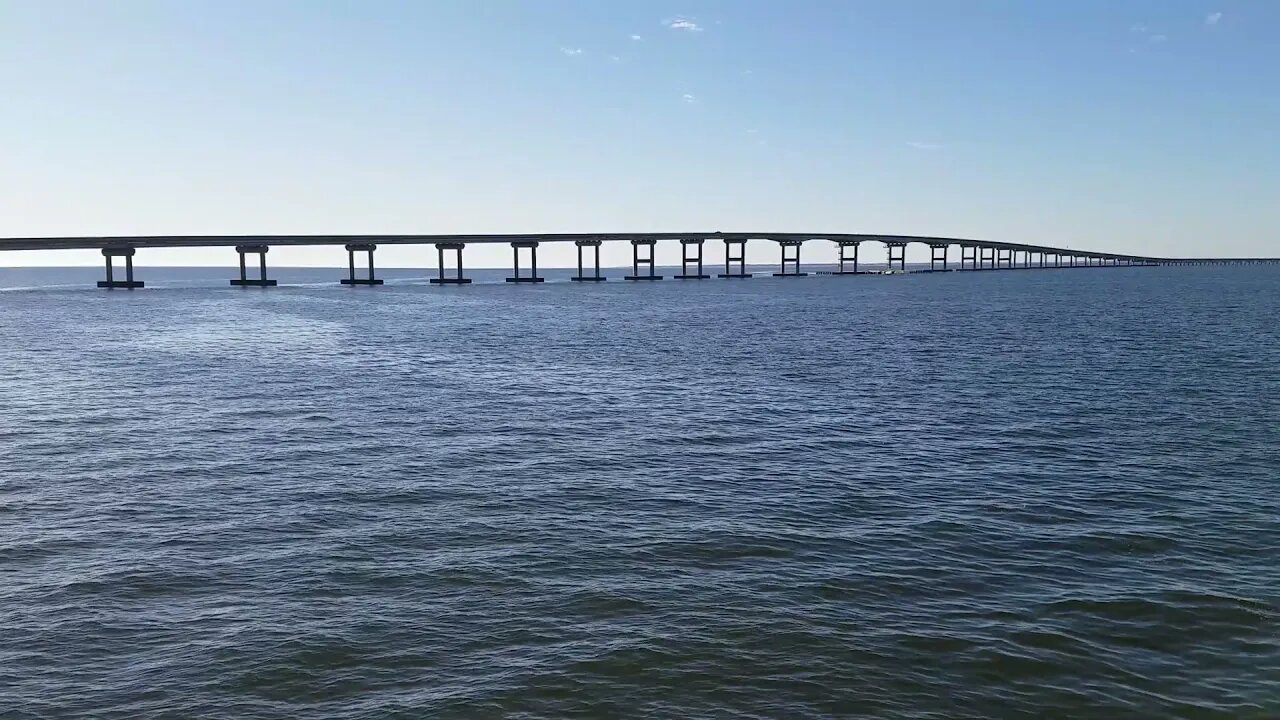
column 1144, row 126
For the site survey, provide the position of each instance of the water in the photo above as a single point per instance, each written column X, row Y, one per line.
column 1014, row 494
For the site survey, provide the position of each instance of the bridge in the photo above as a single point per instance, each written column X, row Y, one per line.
column 974, row 254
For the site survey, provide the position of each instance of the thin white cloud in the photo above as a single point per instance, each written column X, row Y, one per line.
column 615, row 58
column 923, row 145
column 689, row 98
column 571, row 51
column 636, row 37
column 1146, row 33
column 685, row 24
column 1212, row 18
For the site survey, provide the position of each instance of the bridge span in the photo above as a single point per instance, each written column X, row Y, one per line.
column 974, row 254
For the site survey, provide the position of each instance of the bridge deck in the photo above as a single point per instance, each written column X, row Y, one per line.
column 143, row 241
column 172, row 241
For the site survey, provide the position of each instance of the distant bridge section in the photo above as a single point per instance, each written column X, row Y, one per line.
column 974, row 254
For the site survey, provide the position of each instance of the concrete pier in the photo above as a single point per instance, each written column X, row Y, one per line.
column 532, row 247
column 843, row 259
column 351, row 278
column 457, row 278
column 1004, row 258
column 897, row 254
column 580, row 277
column 696, row 245
column 261, row 280
column 637, row 260
column 937, row 253
column 986, row 255
column 730, row 257
column 111, row 282
column 793, row 259
column 969, row 253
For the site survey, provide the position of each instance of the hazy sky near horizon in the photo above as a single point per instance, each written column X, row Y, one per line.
column 1144, row 126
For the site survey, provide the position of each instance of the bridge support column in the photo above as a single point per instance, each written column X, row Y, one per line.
column 730, row 258
column 457, row 278
column 937, row 253
column 351, row 278
column 793, row 259
column 969, row 253
column 844, row 258
column 637, row 261
column 1026, row 258
column 111, row 282
column 985, row 255
column 685, row 259
column 245, row 280
column 1004, row 257
column 516, row 277
column 588, row 278
column 897, row 254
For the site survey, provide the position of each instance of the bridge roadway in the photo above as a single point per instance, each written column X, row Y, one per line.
column 147, row 241
column 980, row 254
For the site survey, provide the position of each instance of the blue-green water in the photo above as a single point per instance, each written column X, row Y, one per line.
column 1033, row 494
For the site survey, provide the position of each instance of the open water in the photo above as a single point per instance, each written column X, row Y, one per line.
column 1037, row 494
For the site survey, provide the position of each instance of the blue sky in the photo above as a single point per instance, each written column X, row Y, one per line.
column 1132, row 126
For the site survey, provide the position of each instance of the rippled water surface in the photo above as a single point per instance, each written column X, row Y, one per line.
column 1005, row 494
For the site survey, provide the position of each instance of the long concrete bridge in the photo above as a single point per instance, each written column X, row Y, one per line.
column 974, row 254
